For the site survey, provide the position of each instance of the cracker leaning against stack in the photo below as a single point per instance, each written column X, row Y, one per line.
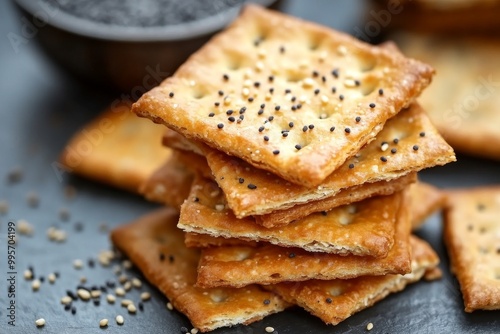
column 302, row 143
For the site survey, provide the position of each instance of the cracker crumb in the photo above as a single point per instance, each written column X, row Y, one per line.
column 369, row 327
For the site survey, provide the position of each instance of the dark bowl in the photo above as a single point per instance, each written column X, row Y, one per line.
column 127, row 59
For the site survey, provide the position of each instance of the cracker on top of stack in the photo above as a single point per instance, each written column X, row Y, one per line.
column 299, row 145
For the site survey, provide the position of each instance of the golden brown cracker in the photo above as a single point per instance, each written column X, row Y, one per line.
column 410, row 135
column 156, row 247
column 196, row 240
column 269, row 264
column 306, row 79
column 426, row 200
column 335, row 300
column 345, row 196
column 175, row 140
column 464, row 98
column 472, row 237
column 111, row 149
column 364, row 228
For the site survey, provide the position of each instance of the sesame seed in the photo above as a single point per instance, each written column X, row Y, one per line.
column 127, row 286
column 267, row 302
column 184, row 330
column 315, row 74
column 83, row 294
column 103, row 323
column 221, row 93
column 269, row 329
column 225, row 77
column 271, row 118
column 311, row 126
column 131, row 308
column 332, row 129
column 145, row 296
column 266, row 138
column 357, row 82
column 316, row 91
column 271, row 90
column 298, row 147
column 383, row 159
column 78, row 264
column 305, row 128
column 380, row 91
column 136, row 282
column 241, row 180
column 291, row 255
column 120, row 292
column 242, row 110
column 293, row 108
column 40, row 322
column 282, row 49
column 170, row 306
column 285, row 134
column 335, row 73
column 393, row 150
column 217, row 104
column 256, row 84
column 372, row 105
column 110, row 298
column 334, row 90
column 231, row 119
column 422, row 134
column 73, row 310
column 299, row 106
column 290, row 124
column 119, row 320
column 51, row 278
column 369, row 327
column 220, row 125
column 415, row 147
column 229, row 112
column 260, row 112
column 395, row 141
column 351, row 166
column 252, row 186
column 250, row 99
column 341, row 97
column 384, row 146
column 36, row 285
column 171, row 94
column 97, row 302
column 261, row 128
column 328, row 300
column 358, row 119
column 276, row 152
column 66, row 300
column 126, row 302
column 271, row 78
column 28, row 275
column 347, row 130
column 323, row 78
column 194, row 331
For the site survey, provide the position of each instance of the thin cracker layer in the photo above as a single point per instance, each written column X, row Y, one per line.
column 471, row 234
column 364, row 228
column 335, row 300
column 410, row 135
column 145, row 240
column 269, row 264
column 307, row 84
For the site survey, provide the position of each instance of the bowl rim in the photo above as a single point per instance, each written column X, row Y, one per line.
column 55, row 17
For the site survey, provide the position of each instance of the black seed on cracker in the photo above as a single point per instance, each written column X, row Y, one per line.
column 372, row 105
column 171, row 94
column 298, row 147
column 252, row 186
column 383, row 159
column 241, row 180
column 393, row 150
column 347, row 130
column 266, row 138
column 351, row 166
column 290, row 124
column 225, row 77
column 415, row 147
column 267, row 302
column 422, row 134
column 328, row 300
column 220, row 125
column 341, row 97
column 358, row 119
column 380, row 91
column 291, row 255
column 276, row 152
column 332, row 129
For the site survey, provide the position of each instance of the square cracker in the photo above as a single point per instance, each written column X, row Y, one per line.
column 364, row 228
column 303, row 73
column 472, row 237
column 156, row 247
column 418, row 146
column 171, row 183
column 111, row 149
column 268, row 264
column 463, row 101
column 348, row 195
column 335, row 300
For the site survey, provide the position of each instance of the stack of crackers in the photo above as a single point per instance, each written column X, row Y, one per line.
column 294, row 151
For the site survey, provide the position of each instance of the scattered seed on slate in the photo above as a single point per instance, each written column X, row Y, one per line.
column 73, row 310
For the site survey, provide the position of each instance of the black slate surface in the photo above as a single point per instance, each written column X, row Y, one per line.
column 40, row 108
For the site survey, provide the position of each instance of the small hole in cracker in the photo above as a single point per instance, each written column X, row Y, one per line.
column 218, row 296
column 335, row 291
column 276, row 275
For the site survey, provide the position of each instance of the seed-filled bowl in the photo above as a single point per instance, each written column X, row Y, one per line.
column 129, row 45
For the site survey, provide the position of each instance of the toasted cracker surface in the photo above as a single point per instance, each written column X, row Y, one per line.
column 335, row 300
column 410, row 135
column 427, row 199
column 174, row 273
column 268, row 264
column 111, row 149
column 472, row 236
column 307, row 78
column 363, row 228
